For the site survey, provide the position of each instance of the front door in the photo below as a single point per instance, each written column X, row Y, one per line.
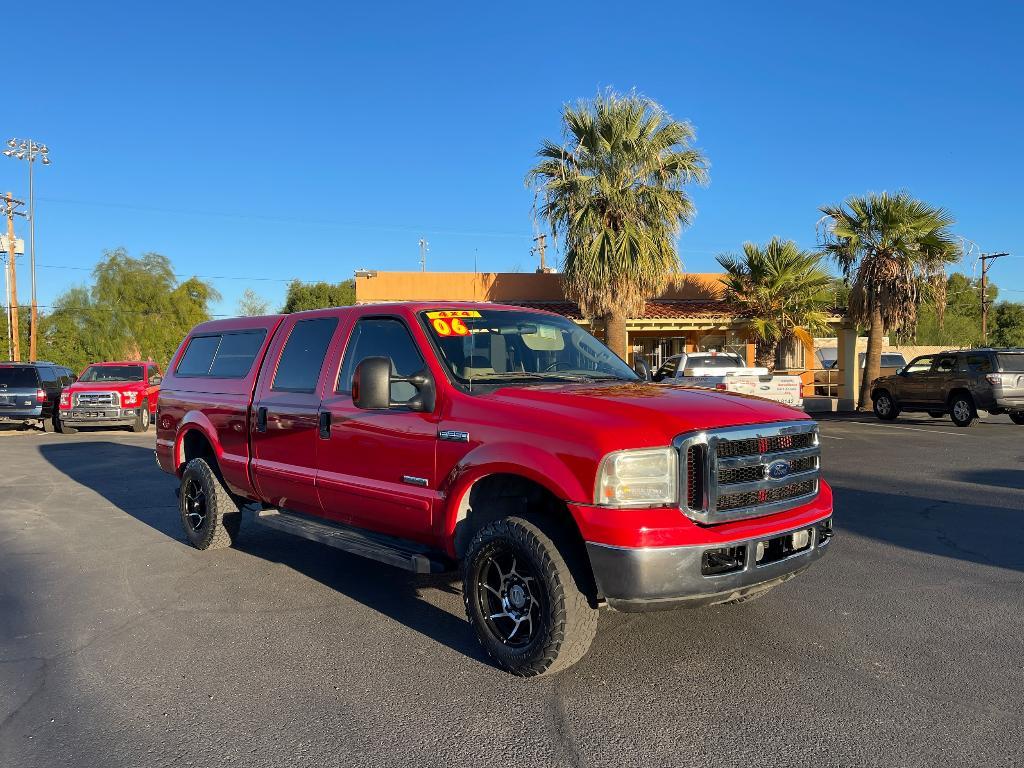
column 914, row 380
column 284, row 421
column 376, row 468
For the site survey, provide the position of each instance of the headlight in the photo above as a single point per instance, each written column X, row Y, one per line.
column 638, row 478
column 130, row 397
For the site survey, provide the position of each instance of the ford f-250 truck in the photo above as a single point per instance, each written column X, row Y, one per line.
column 507, row 441
column 114, row 394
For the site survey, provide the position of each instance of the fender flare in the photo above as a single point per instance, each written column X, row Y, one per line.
column 195, row 421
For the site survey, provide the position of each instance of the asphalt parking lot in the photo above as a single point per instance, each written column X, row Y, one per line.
column 122, row 646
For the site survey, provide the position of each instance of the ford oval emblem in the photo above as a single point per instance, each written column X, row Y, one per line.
column 778, row 469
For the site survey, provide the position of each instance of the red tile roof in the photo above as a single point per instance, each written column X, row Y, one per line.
column 657, row 309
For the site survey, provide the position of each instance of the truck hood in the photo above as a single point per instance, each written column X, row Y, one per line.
column 658, row 411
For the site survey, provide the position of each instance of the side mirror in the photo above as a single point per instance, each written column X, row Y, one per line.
column 155, row 380
column 371, row 387
column 371, row 384
column 641, row 368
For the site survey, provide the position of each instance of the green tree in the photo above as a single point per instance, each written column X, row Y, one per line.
column 24, row 313
column 1009, row 324
column 251, row 304
column 782, row 290
column 891, row 248
column 615, row 192
column 321, row 295
column 954, row 319
column 135, row 308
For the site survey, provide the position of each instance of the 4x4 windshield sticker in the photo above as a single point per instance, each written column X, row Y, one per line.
column 449, row 322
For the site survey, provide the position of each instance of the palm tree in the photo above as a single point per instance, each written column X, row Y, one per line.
column 890, row 248
column 615, row 193
column 782, row 290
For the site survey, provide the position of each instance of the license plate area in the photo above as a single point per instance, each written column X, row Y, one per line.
column 782, row 547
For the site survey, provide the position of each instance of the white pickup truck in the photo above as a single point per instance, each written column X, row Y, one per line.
column 726, row 371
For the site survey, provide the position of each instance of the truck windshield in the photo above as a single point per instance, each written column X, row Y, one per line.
column 12, row 377
column 489, row 346
column 112, row 373
column 714, row 361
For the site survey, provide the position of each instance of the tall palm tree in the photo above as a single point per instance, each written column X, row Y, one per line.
column 890, row 248
column 782, row 290
column 615, row 193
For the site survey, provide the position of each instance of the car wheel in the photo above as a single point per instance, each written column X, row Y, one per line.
column 64, row 429
column 523, row 597
column 936, row 414
column 1017, row 417
column 962, row 411
column 210, row 516
column 49, row 424
column 141, row 421
column 885, row 407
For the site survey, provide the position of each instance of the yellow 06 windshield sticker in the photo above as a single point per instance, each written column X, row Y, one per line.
column 449, row 322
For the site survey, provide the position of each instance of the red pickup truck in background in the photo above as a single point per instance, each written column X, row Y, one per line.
column 115, row 394
column 507, row 441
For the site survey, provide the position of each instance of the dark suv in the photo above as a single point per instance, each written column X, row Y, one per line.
column 30, row 392
column 959, row 383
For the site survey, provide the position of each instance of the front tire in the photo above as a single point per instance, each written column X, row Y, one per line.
column 962, row 411
column 64, row 429
column 49, row 425
column 523, row 597
column 141, row 421
column 885, row 407
column 1017, row 417
column 210, row 516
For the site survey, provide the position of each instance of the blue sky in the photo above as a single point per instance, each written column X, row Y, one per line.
column 259, row 141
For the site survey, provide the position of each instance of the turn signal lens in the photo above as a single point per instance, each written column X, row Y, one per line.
column 640, row 478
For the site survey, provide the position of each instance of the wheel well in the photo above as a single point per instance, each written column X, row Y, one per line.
column 961, row 391
column 195, row 446
column 503, row 495
column 879, row 390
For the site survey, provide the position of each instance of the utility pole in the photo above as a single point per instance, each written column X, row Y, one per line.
column 10, row 206
column 985, row 259
column 30, row 151
column 424, row 247
column 541, row 250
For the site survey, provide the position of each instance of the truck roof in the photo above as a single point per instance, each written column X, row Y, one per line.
column 124, row 362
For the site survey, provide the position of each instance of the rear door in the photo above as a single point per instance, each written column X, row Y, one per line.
column 285, row 410
column 376, row 468
column 945, row 374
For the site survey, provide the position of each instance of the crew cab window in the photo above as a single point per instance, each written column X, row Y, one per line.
column 223, row 355
column 979, row 363
column 945, row 364
column 304, row 354
column 920, row 365
column 382, row 337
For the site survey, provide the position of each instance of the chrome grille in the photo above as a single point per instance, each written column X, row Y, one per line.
column 97, row 399
column 748, row 471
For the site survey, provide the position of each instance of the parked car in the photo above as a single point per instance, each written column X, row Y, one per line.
column 959, row 383
column 827, row 377
column 509, row 441
column 29, row 392
column 728, row 372
column 891, row 362
column 114, row 394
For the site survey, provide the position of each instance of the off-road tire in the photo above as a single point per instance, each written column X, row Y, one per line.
column 885, row 406
column 936, row 414
column 63, row 429
column 141, row 420
column 1017, row 417
column 962, row 411
column 223, row 516
column 568, row 616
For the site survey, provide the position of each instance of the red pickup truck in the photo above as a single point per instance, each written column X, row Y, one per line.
column 114, row 394
column 512, row 442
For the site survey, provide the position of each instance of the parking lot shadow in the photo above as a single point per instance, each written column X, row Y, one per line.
column 127, row 477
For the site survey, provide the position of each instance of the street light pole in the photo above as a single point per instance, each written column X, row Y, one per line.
column 29, row 150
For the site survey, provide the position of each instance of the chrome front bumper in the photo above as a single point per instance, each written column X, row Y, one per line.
column 660, row 578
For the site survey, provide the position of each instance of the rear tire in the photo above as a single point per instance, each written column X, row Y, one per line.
column 141, row 421
column 209, row 514
column 962, row 411
column 1017, row 417
column 65, row 430
column 523, row 597
column 49, row 424
column 885, row 407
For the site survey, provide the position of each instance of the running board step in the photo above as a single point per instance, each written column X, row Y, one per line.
column 407, row 555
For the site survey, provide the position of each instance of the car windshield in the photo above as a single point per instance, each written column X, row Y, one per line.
column 12, row 377
column 714, row 361
column 113, row 373
column 489, row 346
column 1011, row 362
